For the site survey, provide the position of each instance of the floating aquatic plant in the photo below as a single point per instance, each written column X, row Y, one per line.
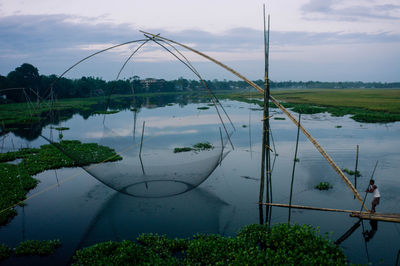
column 200, row 146
column 324, row 186
column 254, row 245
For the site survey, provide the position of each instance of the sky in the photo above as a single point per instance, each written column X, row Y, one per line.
column 325, row 40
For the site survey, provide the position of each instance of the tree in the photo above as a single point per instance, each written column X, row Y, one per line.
column 25, row 77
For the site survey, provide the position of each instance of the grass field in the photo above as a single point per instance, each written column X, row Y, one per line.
column 384, row 100
column 364, row 105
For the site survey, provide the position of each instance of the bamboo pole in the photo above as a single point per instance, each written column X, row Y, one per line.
column 265, row 118
column 309, row 208
column 366, row 193
column 306, row 133
column 377, row 216
column 294, row 167
column 355, row 171
column 268, row 151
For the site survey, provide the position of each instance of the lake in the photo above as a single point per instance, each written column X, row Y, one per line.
column 207, row 191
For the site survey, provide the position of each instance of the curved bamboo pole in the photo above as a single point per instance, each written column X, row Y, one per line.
column 284, row 110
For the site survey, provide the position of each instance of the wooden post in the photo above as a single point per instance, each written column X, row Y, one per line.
column 355, row 171
column 265, row 158
column 294, row 167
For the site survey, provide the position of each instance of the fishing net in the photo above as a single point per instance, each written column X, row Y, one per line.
column 141, row 145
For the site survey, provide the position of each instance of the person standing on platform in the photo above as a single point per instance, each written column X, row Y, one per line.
column 374, row 189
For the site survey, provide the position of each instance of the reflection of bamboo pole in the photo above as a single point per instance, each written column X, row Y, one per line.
column 251, row 83
column 294, row 167
column 348, row 233
column 365, row 241
column 222, row 146
column 140, row 150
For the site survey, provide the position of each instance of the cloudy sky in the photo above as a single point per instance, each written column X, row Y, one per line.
column 327, row 40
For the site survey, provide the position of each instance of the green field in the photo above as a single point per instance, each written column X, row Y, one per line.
column 364, row 105
column 383, row 100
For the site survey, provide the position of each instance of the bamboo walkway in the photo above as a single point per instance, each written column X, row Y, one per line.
column 387, row 217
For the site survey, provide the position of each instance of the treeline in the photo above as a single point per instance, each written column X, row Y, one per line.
column 25, row 83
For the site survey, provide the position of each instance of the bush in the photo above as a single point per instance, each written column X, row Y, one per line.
column 37, row 247
column 5, row 252
column 254, row 245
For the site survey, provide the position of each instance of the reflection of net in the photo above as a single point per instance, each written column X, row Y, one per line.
column 124, row 217
column 160, row 175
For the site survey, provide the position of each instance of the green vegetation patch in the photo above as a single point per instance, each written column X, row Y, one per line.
column 351, row 172
column 200, row 146
column 279, row 118
column 254, row 245
column 203, row 108
column 16, row 179
column 37, row 247
column 184, row 149
column 5, row 252
column 324, row 186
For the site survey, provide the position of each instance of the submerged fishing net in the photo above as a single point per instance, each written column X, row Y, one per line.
column 171, row 154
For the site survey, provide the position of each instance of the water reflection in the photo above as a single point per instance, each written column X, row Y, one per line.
column 125, row 217
column 369, row 234
column 348, row 233
column 33, row 129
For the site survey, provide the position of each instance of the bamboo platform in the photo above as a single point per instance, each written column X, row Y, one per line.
column 386, row 217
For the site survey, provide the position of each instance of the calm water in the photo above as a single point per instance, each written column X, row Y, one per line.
column 80, row 210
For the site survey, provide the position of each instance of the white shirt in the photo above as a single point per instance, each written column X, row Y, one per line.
column 376, row 193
